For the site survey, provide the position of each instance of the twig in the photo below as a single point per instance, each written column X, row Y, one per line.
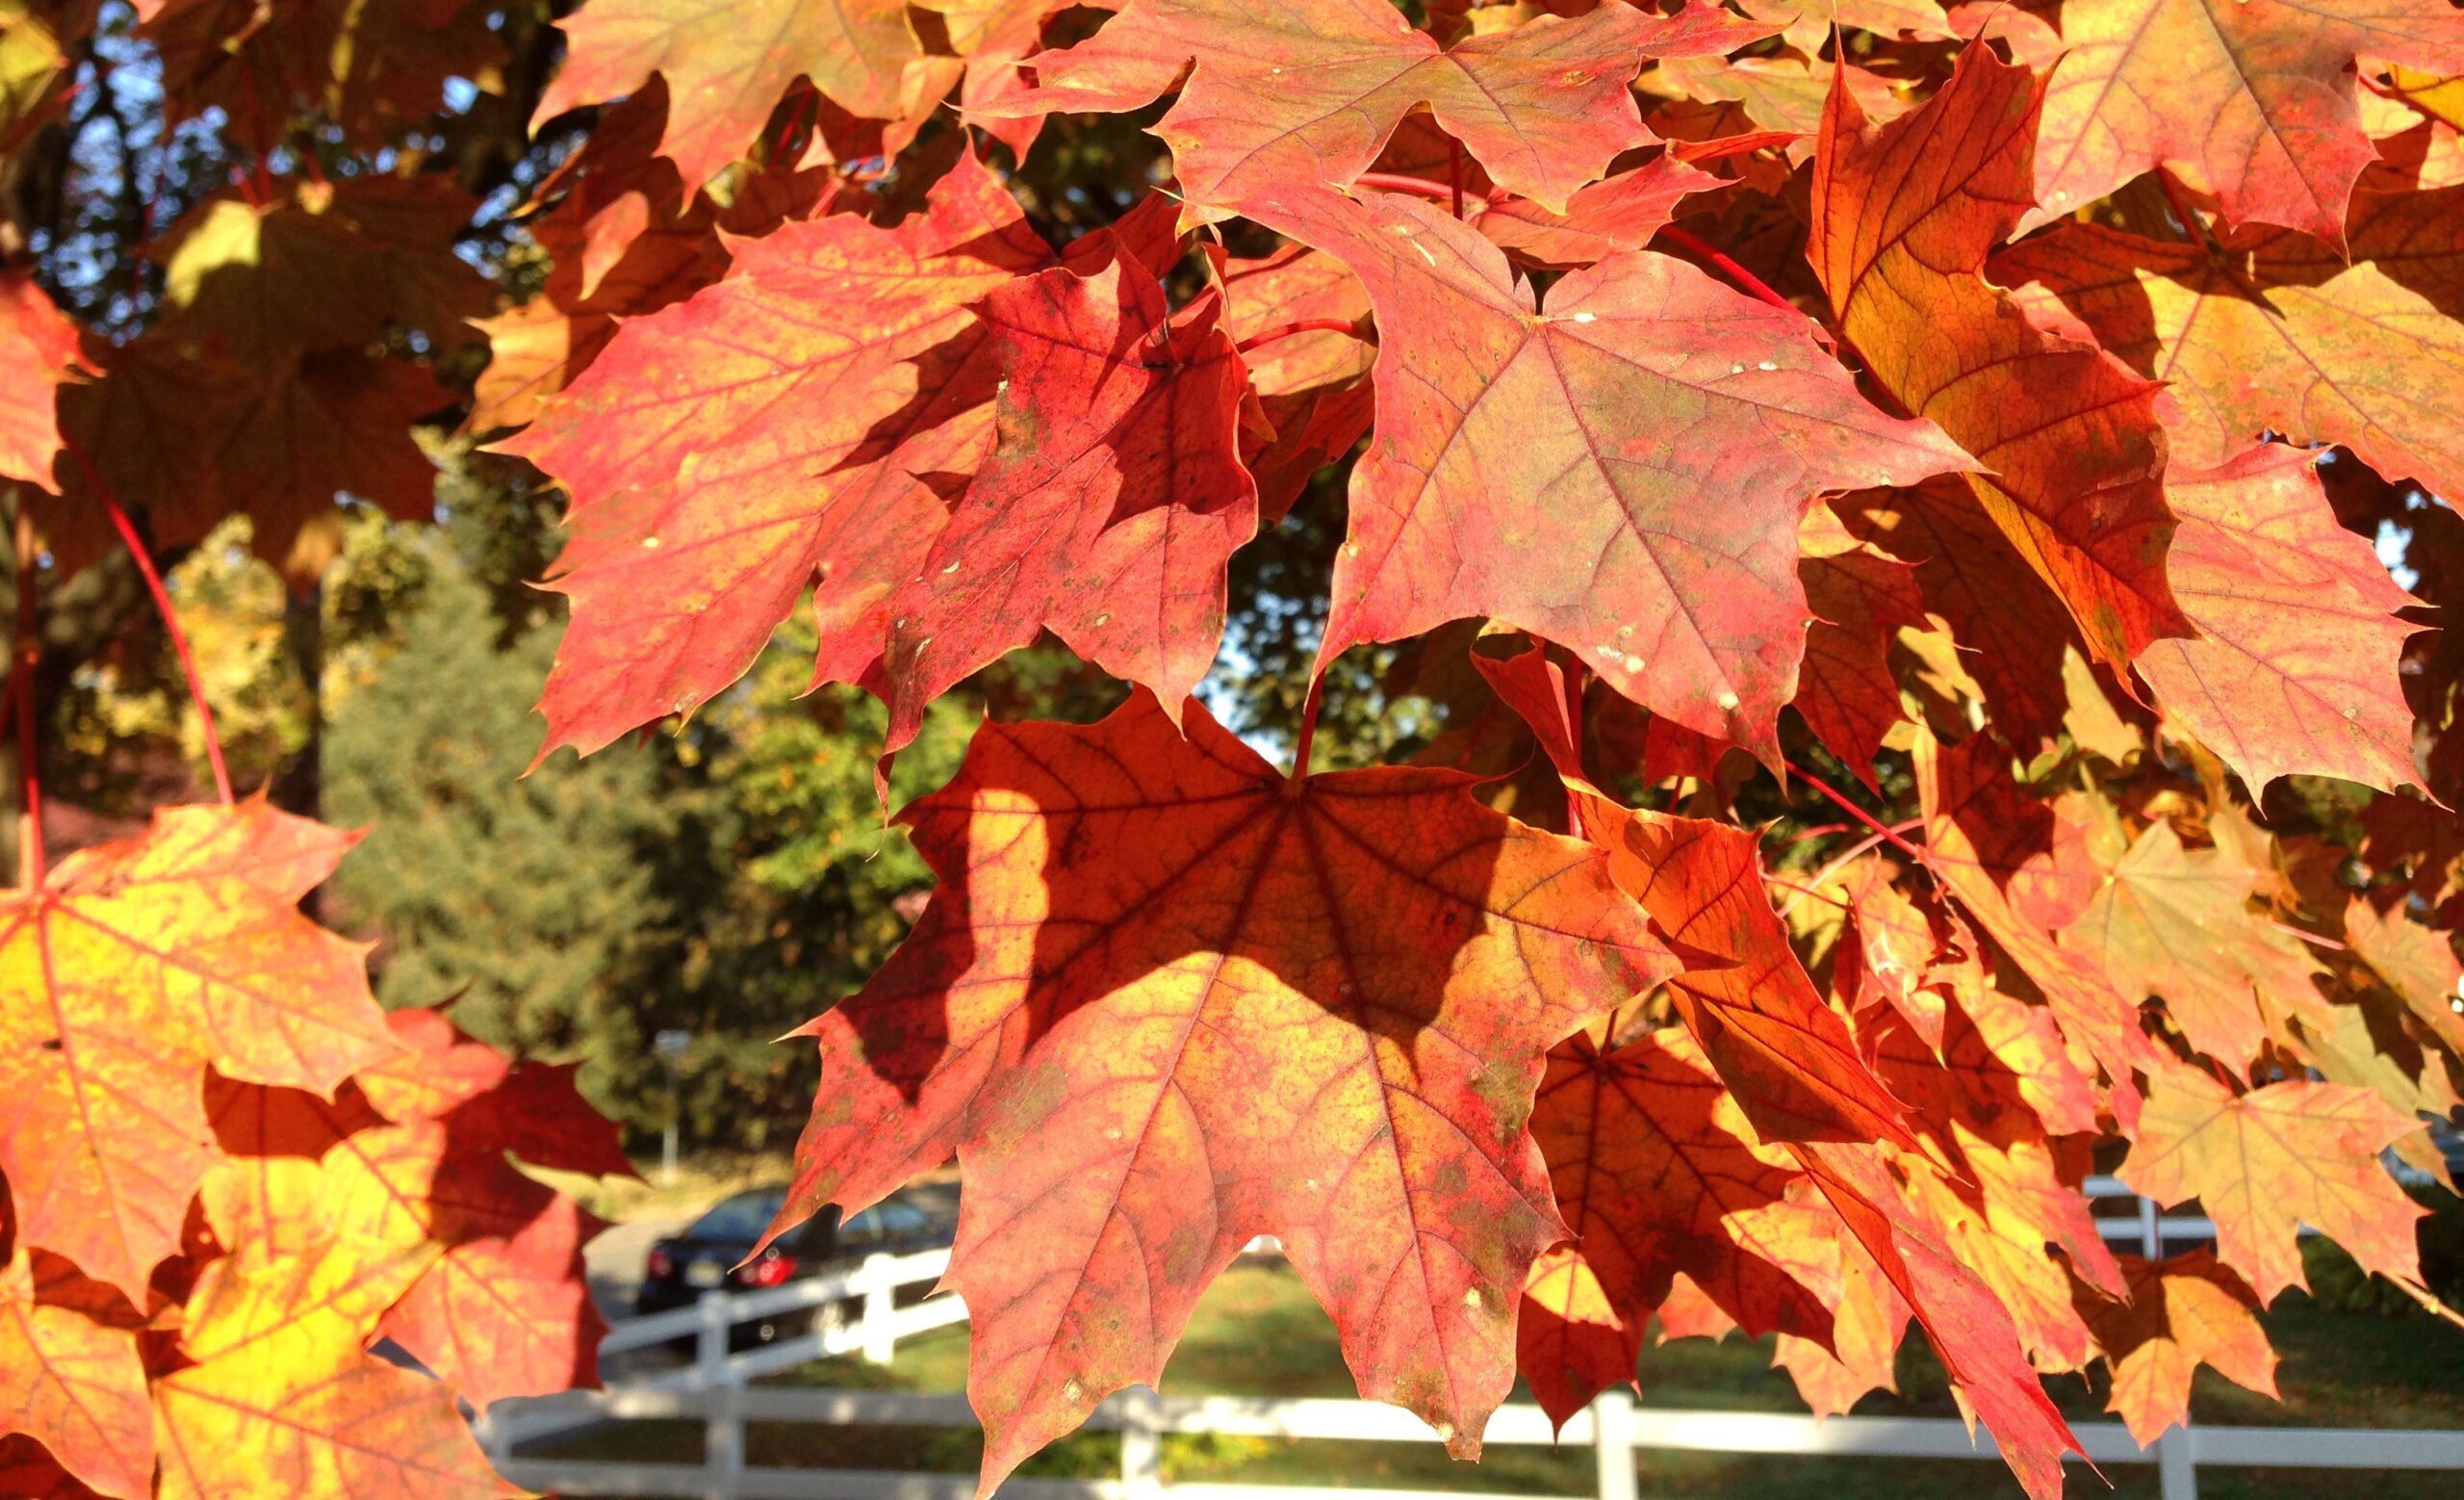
column 2311, row 938
column 1802, row 892
column 2430, row 1301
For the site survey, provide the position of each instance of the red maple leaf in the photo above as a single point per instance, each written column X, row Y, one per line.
column 1657, row 1173
column 1165, row 999
column 1281, row 90
column 1111, row 501
column 1511, row 438
column 777, row 431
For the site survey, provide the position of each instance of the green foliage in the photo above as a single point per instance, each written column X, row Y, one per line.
column 525, row 895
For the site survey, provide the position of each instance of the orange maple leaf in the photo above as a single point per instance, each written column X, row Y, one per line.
column 728, row 62
column 2179, row 1314
column 1860, row 596
column 38, row 355
column 1968, row 1326
column 134, row 967
column 1512, row 436
column 1867, row 1322
column 1544, row 107
column 724, row 451
column 2297, row 660
column 2176, row 922
column 70, row 1375
column 1887, row 953
column 1109, row 505
column 2417, row 962
column 1990, row 1227
column 1785, row 1056
column 2003, row 1070
column 2267, row 1162
column 1570, row 1342
column 1904, row 216
column 1960, row 791
column 2253, row 101
column 2012, row 629
column 502, row 1307
column 2272, row 331
column 1623, row 212
column 284, row 1397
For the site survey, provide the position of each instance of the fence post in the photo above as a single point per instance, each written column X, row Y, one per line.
column 2177, row 1465
column 490, row 1437
column 723, row 1443
column 1142, row 1448
column 1612, row 1437
column 881, row 1311
column 710, row 1340
column 2151, row 1234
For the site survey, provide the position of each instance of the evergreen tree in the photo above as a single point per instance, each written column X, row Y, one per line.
column 530, row 897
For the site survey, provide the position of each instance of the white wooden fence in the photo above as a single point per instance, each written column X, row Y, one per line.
column 715, row 1390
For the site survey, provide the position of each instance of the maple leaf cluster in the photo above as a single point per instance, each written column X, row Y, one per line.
column 1993, row 405
column 225, row 1174
column 256, row 1234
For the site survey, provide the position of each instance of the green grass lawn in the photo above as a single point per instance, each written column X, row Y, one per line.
column 1258, row 1332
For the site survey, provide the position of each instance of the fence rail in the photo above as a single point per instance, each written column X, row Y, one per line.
column 715, row 1390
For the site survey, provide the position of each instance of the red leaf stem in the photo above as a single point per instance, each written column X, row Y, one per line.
column 33, row 867
column 1308, row 730
column 138, row 553
column 2193, row 226
column 1887, row 833
column 1813, row 884
column 1304, row 325
column 1747, row 281
column 1396, row 182
column 1802, row 892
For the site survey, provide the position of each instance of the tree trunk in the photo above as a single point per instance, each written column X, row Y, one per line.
column 300, row 788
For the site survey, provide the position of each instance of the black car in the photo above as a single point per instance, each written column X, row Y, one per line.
column 709, row 1256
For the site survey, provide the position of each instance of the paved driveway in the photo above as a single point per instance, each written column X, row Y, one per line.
column 614, row 1262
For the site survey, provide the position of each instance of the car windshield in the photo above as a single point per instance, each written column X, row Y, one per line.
column 903, row 1218
column 743, row 1217
column 892, row 1219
